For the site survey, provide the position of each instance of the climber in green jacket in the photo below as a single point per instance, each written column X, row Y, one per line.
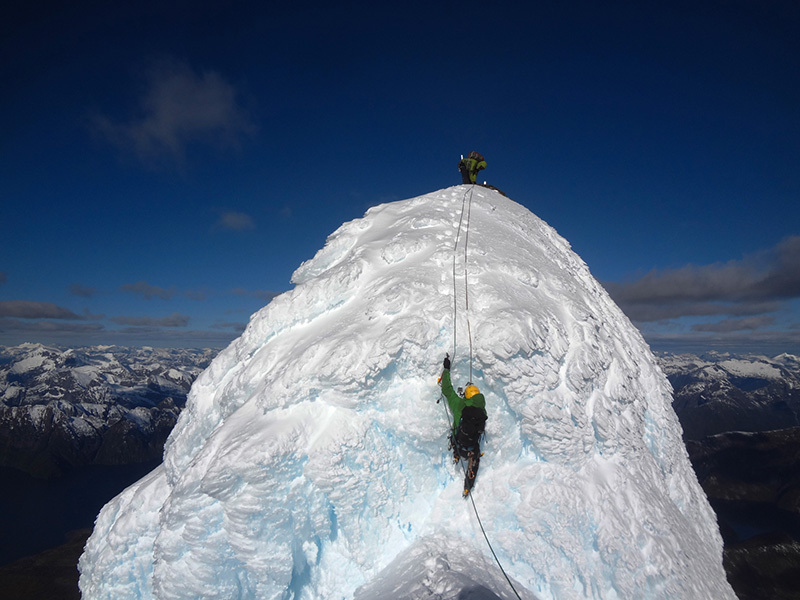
column 469, row 420
column 470, row 166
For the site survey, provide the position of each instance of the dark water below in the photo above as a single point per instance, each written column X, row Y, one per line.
column 37, row 514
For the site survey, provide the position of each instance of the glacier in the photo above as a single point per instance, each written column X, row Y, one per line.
column 311, row 459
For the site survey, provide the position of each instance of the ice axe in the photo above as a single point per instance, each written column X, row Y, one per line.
column 439, row 381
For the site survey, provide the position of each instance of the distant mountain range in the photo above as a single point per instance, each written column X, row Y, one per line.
column 715, row 393
column 64, row 408
column 103, row 405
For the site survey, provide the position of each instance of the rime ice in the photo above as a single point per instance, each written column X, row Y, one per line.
column 311, row 460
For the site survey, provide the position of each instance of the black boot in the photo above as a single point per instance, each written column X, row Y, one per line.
column 473, row 462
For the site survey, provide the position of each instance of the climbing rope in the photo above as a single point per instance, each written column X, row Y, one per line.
column 477, row 516
column 488, row 543
column 468, row 206
column 466, row 281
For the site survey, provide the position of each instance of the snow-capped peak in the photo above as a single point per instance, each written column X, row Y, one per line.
column 311, row 460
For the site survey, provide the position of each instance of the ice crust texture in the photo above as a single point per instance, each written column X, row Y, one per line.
column 311, row 459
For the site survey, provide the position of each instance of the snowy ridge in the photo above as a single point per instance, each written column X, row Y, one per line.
column 751, row 366
column 311, row 460
column 65, row 408
column 719, row 392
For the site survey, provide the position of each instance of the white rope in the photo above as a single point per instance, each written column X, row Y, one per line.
column 466, row 280
column 468, row 206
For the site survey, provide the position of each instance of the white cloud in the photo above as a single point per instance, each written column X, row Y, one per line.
column 235, row 221
column 180, row 106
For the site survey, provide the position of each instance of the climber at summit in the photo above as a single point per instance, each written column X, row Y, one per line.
column 470, row 166
column 469, row 420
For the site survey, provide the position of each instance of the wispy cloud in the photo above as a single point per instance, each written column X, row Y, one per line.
column 178, row 107
column 173, row 320
column 12, row 326
column 730, row 325
column 92, row 317
column 196, row 294
column 265, row 295
column 76, row 289
column 766, row 341
column 80, row 333
column 234, row 326
column 235, row 221
column 2, row 277
column 26, row 309
column 148, row 291
column 754, row 285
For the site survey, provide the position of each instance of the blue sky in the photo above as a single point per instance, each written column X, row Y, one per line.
column 164, row 170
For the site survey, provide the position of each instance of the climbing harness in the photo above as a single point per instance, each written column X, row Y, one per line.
column 468, row 205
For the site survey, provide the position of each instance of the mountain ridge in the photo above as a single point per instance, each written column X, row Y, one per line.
column 719, row 392
column 107, row 405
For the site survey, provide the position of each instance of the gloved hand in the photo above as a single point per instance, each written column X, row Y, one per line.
column 447, row 361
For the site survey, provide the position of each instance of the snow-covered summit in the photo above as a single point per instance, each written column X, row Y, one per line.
column 311, row 459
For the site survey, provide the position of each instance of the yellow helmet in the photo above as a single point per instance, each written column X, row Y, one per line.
column 470, row 391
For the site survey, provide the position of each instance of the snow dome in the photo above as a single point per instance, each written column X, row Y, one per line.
column 311, row 460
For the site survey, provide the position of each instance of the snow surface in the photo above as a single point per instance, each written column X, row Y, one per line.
column 86, row 375
column 743, row 368
column 311, row 459
column 34, row 362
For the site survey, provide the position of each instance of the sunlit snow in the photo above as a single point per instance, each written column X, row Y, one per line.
column 311, row 460
column 34, row 362
column 743, row 368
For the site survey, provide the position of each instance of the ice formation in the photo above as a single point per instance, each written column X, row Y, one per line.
column 311, row 460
